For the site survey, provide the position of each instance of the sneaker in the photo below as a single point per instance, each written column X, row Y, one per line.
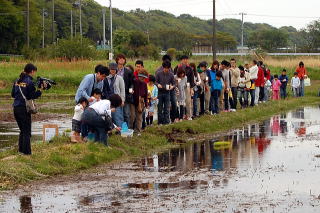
column 189, row 119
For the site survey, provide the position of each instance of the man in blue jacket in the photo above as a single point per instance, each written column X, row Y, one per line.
column 91, row 82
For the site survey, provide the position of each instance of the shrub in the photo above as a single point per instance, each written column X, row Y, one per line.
column 172, row 52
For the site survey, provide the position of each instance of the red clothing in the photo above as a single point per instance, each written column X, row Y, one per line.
column 135, row 73
column 268, row 74
column 260, row 80
column 140, row 89
column 301, row 72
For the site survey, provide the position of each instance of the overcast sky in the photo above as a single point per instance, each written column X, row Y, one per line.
column 275, row 12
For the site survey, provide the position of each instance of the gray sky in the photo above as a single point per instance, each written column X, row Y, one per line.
column 292, row 12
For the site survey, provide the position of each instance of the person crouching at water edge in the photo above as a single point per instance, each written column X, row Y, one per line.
column 97, row 115
column 24, row 89
column 77, row 118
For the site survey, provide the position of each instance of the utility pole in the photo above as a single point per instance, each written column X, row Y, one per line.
column 42, row 27
column 242, row 30
column 104, row 27
column 111, row 42
column 28, row 24
column 80, row 23
column 53, row 37
column 214, row 36
column 71, row 25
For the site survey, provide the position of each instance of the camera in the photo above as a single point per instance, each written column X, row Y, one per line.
column 45, row 81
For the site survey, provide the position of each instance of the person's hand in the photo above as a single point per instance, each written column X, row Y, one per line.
column 113, row 109
column 118, row 129
column 159, row 86
column 171, row 87
column 91, row 99
column 122, row 103
column 191, row 92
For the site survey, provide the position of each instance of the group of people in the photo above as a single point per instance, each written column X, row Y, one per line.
column 130, row 96
column 178, row 93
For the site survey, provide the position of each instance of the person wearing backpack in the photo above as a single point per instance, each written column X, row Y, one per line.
column 24, row 89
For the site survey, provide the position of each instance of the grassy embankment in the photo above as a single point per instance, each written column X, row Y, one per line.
column 61, row 157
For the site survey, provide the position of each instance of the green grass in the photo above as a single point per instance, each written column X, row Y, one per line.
column 62, row 157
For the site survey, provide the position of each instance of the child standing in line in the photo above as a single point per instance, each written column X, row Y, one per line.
column 152, row 99
column 76, row 120
column 295, row 84
column 284, row 81
column 276, row 88
column 181, row 81
column 216, row 88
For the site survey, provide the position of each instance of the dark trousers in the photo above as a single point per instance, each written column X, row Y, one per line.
column 226, row 101
column 95, row 121
column 202, row 100
column 195, row 103
column 181, row 111
column 283, row 92
column 261, row 94
column 173, row 102
column 234, row 91
column 214, row 101
column 163, row 107
column 24, row 123
column 252, row 95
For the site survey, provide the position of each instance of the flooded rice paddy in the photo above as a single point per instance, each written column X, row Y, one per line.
column 272, row 166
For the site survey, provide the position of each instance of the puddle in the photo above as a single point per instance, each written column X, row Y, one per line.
column 9, row 131
column 272, row 166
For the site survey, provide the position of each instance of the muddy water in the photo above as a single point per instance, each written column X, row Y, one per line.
column 273, row 166
column 9, row 131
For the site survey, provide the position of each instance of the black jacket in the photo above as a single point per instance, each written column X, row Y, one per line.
column 27, row 88
column 128, row 78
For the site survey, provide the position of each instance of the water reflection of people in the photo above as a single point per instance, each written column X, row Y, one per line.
column 275, row 126
column 301, row 131
column 25, row 204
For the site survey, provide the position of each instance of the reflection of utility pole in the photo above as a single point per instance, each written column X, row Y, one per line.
column 242, row 29
column 53, row 22
column 104, row 26
column 111, row 42
column 71, row 25
column 214, row 38
column 28, row 23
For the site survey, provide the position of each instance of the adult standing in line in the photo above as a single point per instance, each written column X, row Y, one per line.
column 91, row 82
column 165, row 83
column 302, row 74
column 190, row 84
column 93, row 116
column 114, row 84
column 235, row 75
column 260, row 83
column 226, row 81
column 24, row 89
column 253, row 77
column 128, row 77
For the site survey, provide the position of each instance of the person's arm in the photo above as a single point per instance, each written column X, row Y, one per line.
column 85, row 84
column 145, row 95
column 158, row 80
column 32, row 92
column 172, row 81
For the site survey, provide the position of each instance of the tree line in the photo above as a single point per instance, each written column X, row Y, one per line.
column 138, row 32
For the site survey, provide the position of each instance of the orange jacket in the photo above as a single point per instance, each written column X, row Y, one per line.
column 301, row 72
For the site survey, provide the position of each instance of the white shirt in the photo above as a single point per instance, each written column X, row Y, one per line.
column 78, row 111
column 254, row 72
column 295, row 82
column 94, row 101
column 102, row 107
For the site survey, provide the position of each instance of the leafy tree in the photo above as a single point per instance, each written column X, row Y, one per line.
column 269, row 40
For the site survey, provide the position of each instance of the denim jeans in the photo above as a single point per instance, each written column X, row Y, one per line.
column 214, row 100
column 95, row 121
column 117, row 116
column 283, row 92
column 243, row 97
column 226, row 100
column 173, row 102
column 126, row 113
column 164, row 107
column 234, row 91
column 253, row 96
column 301, row 88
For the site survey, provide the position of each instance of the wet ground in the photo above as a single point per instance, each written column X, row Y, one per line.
column 273, row 166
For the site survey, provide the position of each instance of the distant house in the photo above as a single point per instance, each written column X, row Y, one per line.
column 243, row 49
